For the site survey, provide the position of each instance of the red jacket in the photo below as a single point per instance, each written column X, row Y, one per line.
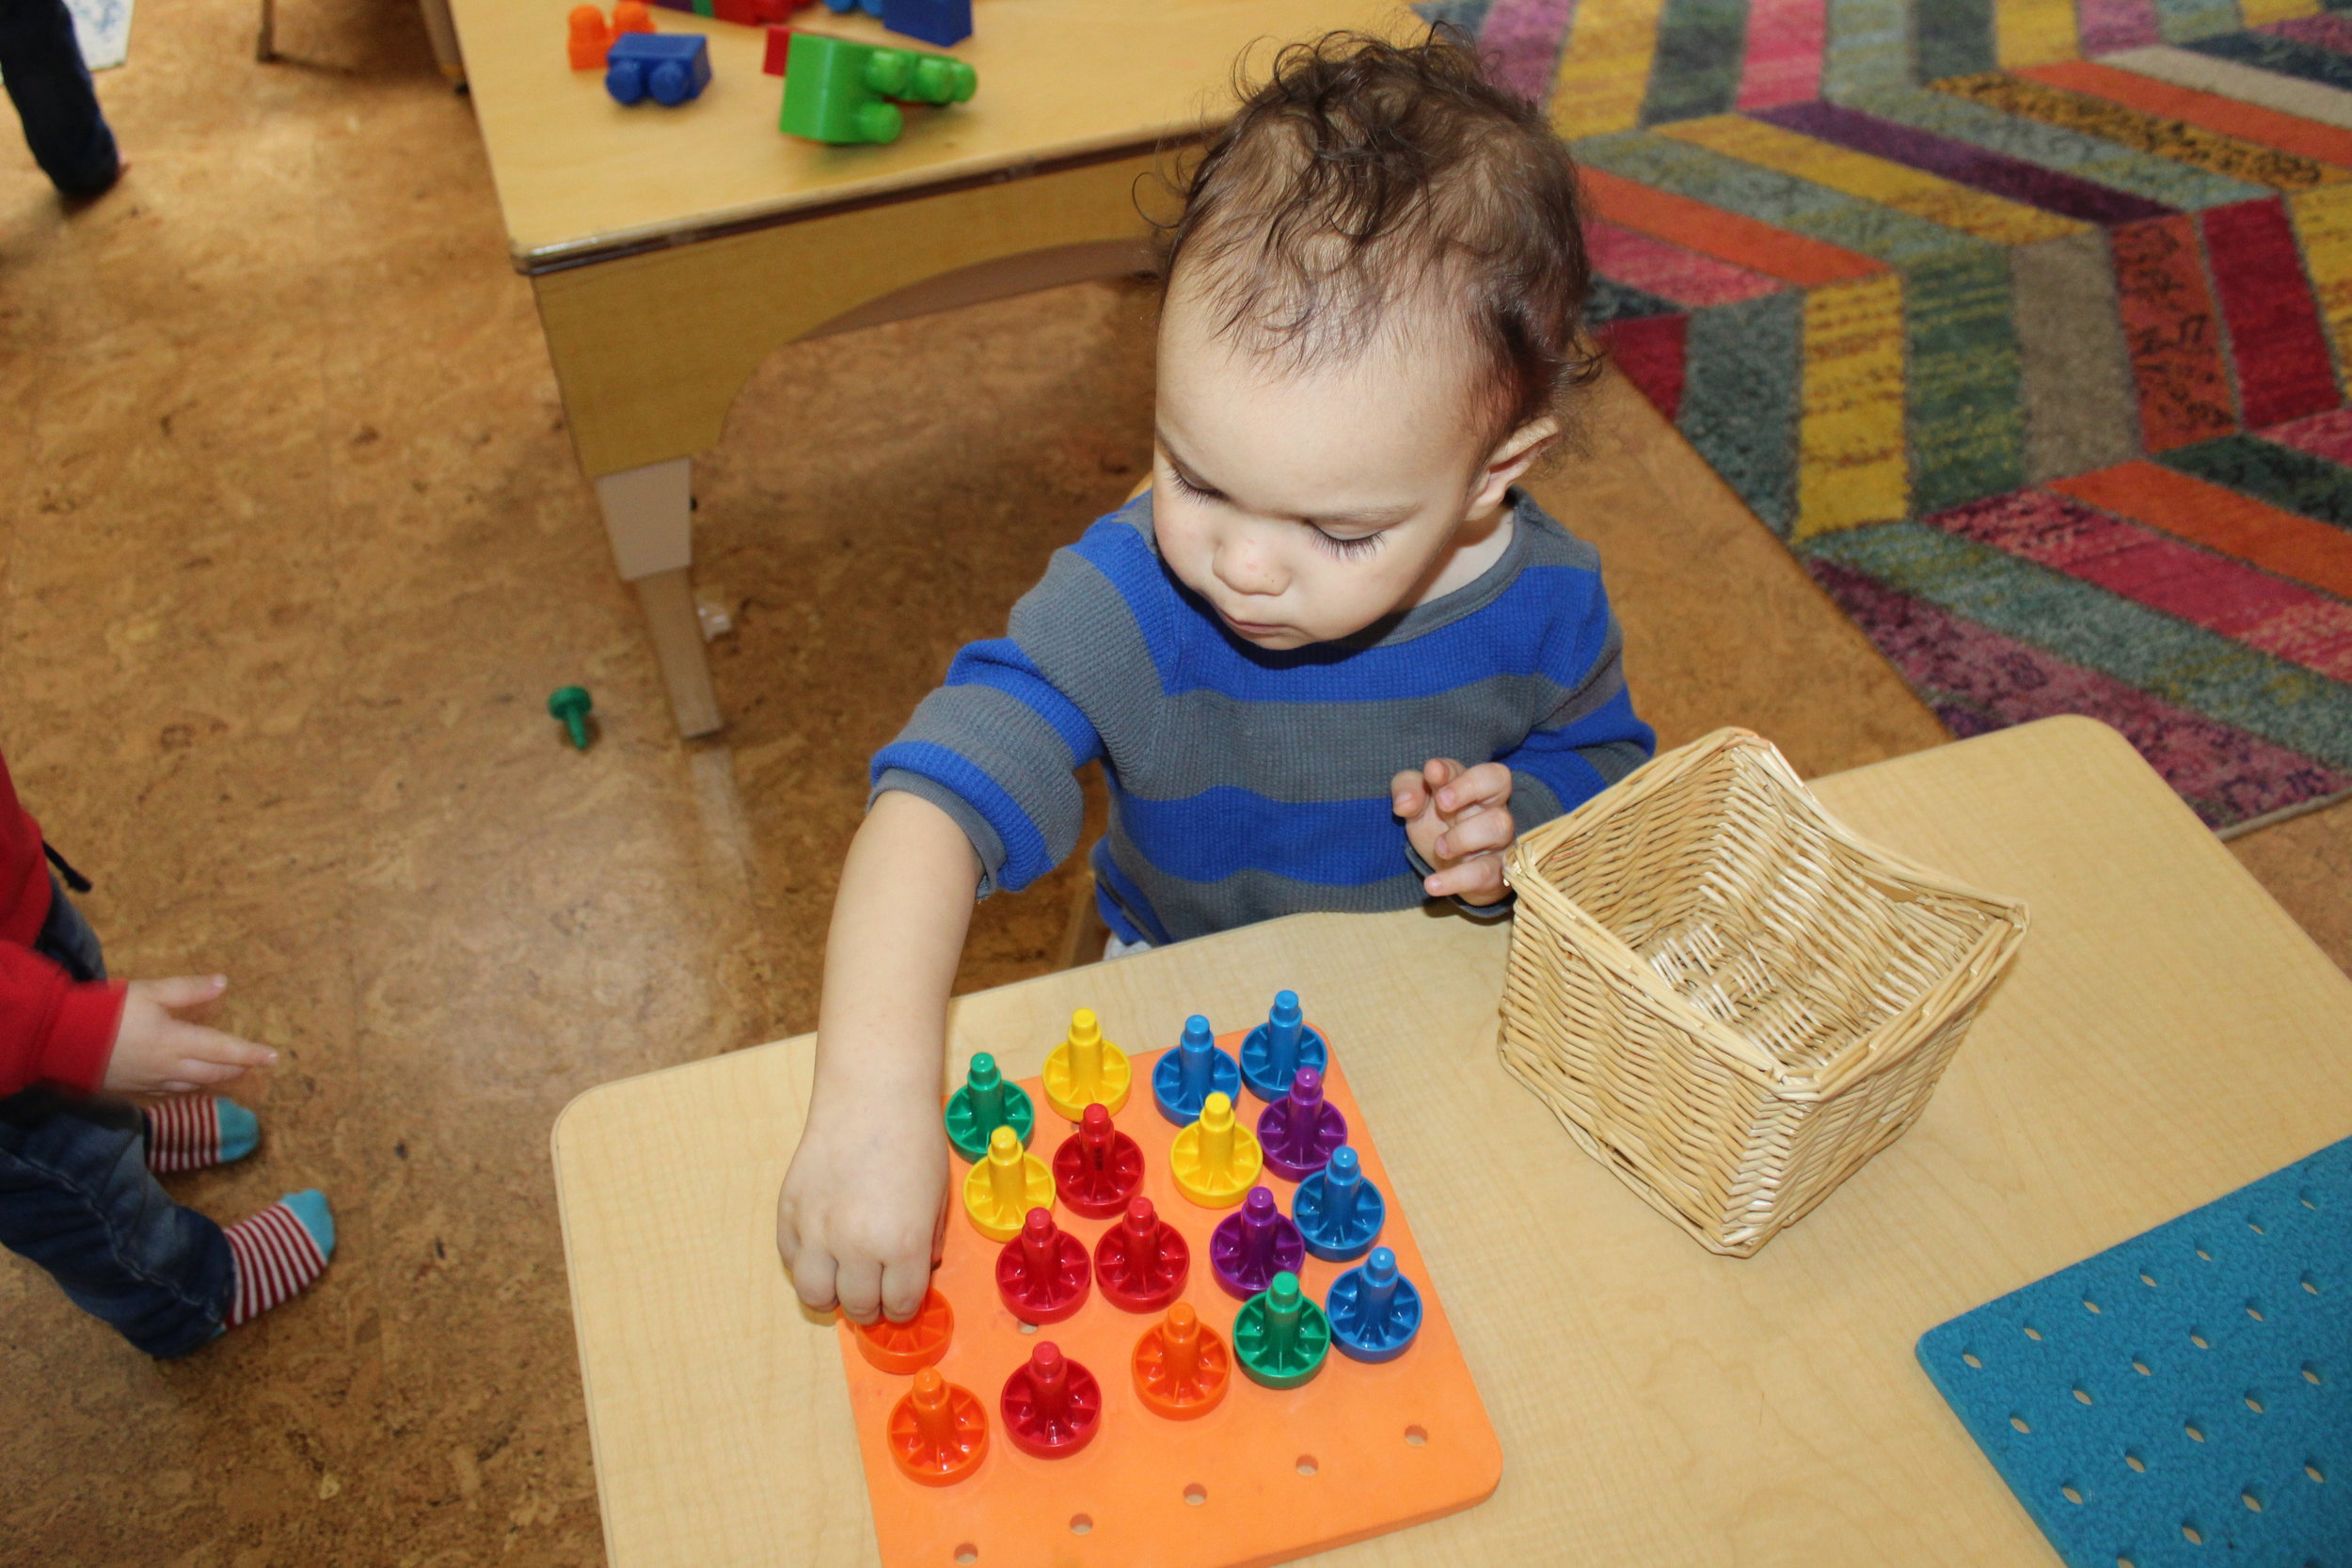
column 52, row 1030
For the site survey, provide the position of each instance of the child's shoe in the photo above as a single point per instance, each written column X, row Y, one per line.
column 190, row 1131
column 278, row 1252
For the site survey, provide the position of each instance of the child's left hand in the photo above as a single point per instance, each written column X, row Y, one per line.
column 1459, row 820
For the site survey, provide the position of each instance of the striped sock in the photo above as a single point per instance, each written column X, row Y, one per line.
column 278, row 1252
column 190, row 1131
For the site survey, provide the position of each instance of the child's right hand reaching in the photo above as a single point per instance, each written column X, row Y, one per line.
column 859, row 1220
column 162, row 1047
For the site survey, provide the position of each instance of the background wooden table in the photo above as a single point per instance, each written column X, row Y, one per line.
column 2169, row 1034
column 673, row 249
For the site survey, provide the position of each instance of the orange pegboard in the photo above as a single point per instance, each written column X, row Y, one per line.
column 1265, row 1477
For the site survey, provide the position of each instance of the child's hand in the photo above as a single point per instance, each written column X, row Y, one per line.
column 160, row 1047
column 858, row 1221
column 1459, row 820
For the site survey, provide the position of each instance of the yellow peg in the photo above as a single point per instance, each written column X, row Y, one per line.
column 1086, row 1070
column 1216, row 1160
column 1001, row 1190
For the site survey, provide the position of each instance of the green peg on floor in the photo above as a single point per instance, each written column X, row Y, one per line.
column 571, row 704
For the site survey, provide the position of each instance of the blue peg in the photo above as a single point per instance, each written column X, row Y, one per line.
column 1272, row 1054
column 1339, row 1212
column 1183, row 1078
column 1375, row 1310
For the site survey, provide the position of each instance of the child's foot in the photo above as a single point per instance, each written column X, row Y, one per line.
column 193, row 1131
column 278, row 1252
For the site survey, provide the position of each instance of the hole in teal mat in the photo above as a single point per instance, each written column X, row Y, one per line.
column 2197, row 1338
column 2196, row 1432
column 2253, row 1401
column 2305, row 1199
column 2090, row 1306
column 2139, row 1466
column 2148, row 1279
column 2256, row 1228
column 2311, row 1373
column 2203, row 1253
column 2082, row 1395
column 2071, row 1492
column 1970, row 1356
column 2252, row 1500
column 2032, row 1333
column 2139, row 1364
column 2311, row 1468
column 2019, row 1422
column 2310, row 1285
column 2254, row 1310
column 2190, row 1533
column 2124, row 1562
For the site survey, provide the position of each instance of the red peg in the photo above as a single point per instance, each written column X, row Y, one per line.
column 1141, row 1260
column 1052, row 1405
column 1098, row 1168
column 938, row 1432
column 1042, row 1273
column 899, row 1348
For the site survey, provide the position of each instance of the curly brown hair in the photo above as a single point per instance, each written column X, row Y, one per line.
column 1362, row 170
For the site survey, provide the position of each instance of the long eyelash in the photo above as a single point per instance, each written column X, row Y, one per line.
column 1348, row 549
column 1189, row 488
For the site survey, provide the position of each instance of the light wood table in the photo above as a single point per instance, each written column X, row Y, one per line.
column 673, row 249
column 2167, row 1034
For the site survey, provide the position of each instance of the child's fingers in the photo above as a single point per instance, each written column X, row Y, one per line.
column 903, row 1282
column 1407, row 795
column 1440, row 772
column 1478, row 879
column 1486, row 828
column 812, row 1277
column 200, row 1073
column 857, row 1284
column 198, row 1043
column 1487, row 784
column 184, row 990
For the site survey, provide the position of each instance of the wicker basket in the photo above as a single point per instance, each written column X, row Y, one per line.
column 1727, row 998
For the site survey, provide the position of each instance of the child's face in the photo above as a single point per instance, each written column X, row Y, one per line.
column 1305, row 505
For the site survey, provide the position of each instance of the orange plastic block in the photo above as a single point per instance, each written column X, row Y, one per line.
column 591, row 39
column 1216, row 1159
column 910, row 1346
column 1086, row 1070
column 631, row 16
column 1261, row 1476
column 999, row 1192
column 1182, row 1368
column 938, row 1432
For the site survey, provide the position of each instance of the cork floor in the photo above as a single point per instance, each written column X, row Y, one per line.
column 292, row 552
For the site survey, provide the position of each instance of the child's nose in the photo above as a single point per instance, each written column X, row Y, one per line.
column 1245, row 568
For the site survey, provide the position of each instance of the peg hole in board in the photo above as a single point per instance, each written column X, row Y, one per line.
column 1196, row 1494
column 2090, row 1306
column 2255, row 1225
column 2139, row 1466
column 2307, row 1200
column 2019, row 1422
column 2252, row 1500
column 2311, row 1373
column 2254, row 1400
column 2196, row 1433
column 2202, row 1255
column 2032, row 1333
column 2190, row 1533
column 2310, row 1285
column 967, row 1555
column 2254, row 1310
column 1416, row 1436
column 1970, row 1357
column 1081, row 1523
column 2139, row 1364
column 2148, row 1279
column 2082, row 1395
column 1306, row 1464
column 2197, row 1338
column 2071, row 1492
column 2311, row 1468
column 2126, row 1562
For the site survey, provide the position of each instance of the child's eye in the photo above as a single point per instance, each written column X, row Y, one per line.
column 1200, row 492
column 1347, row 549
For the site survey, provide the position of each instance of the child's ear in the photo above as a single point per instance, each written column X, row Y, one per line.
column 1511, row 458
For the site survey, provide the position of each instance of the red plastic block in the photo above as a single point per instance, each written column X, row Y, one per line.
column 779, row 49
column 1052, row 1405
column 1182, row 1368
column 938, row 1432
column 591, row 38
column 901, row 1349
column 1042, row 1273
column 1098, row 1168
column 1142, row 1260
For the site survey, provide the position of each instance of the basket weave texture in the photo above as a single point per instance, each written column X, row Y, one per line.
column 1729, row 999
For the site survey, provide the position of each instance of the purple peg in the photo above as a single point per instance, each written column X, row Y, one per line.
column 1251, row 1246
column 1299, row 1130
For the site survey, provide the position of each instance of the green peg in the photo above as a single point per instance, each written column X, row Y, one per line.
column 1280, row 1337
column 984, row 1103
column 571, row 704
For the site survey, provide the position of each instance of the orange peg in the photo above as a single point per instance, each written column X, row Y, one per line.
column 899, row 1348
column 591, row 39
column 1182, row 1368
column 939, row 1433
column 631, row 16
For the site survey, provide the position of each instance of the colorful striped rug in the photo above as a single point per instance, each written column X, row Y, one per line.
column 2025, row 322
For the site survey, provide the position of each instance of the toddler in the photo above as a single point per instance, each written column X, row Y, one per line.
column 1332, row 659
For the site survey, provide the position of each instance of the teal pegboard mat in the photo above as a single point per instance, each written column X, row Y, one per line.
column 2183, row 1399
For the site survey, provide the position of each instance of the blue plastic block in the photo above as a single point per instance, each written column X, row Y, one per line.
column 1272, row 1054
column 940, row 22
column 2185, row 1397
column 1375, row 1310
column 1186, row 1076
column 668, row 68
column 843, row 7
column 1339, row 1212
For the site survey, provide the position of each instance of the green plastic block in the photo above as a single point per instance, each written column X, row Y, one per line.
column 1280, row 1337
column 984, row 1103
column 836, row 90
column 706, row 8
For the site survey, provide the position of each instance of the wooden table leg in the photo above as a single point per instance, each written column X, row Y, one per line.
column 648, row 515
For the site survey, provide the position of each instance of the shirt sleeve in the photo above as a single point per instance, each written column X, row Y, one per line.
column 996, row 747
column 1588, row 740
column 52, row 1030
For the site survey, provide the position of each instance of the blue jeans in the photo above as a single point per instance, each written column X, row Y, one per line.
column 77, row 1199
column 54, row 98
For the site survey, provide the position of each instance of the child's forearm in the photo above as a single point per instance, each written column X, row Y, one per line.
column 899, row 924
